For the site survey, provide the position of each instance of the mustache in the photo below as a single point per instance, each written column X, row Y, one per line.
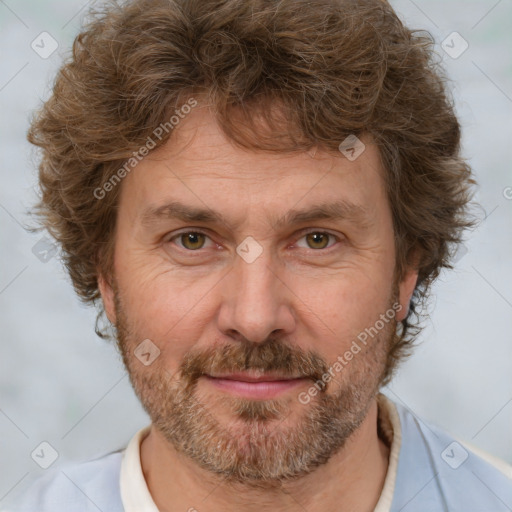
column 271, row 355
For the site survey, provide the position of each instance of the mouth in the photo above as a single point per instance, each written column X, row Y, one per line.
column 254, row 385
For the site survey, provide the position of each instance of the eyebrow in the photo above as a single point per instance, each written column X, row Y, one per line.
column 334, row 211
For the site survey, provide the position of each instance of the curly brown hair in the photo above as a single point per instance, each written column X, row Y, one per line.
column 335, row 67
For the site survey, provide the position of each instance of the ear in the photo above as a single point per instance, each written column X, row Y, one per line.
column 407, row 286
column 107, row 295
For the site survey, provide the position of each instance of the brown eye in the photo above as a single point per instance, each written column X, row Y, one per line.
column 192, row 240
column 317, row 240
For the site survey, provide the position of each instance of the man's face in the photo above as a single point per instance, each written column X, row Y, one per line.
column 230, row 313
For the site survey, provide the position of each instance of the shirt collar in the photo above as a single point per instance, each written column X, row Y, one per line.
column 134, row 490
column 390, row 428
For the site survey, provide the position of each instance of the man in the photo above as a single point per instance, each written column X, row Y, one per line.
column 260, row 193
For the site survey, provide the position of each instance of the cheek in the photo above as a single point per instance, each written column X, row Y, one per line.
column 170, row 310
column 339, row 308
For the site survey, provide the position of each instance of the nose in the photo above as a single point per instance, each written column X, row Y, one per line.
column 256, row 302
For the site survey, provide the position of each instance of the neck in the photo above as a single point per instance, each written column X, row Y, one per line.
column 351, row 480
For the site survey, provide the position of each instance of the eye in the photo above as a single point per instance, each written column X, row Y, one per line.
column 318, row 240
column 195, row 240
column 191, row 240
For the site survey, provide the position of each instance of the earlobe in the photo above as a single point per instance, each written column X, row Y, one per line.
column 408, row 283
column 406, row 287
column 107, row 295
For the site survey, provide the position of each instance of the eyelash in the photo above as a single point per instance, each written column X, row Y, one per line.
column 302, row 235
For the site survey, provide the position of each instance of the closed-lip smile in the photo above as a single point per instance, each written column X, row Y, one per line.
column 255, row 385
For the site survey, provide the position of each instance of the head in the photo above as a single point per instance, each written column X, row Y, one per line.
column 253, row 186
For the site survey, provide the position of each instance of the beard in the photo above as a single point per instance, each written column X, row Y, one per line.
column 263, row 443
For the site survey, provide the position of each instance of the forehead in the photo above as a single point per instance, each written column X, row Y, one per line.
column 200, row 166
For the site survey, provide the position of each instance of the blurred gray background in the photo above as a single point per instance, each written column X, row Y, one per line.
column 61, row 384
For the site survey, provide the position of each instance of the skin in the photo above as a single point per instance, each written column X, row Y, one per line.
column 314, row 300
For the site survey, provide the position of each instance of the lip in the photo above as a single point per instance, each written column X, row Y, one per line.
column 253, row 376
column 254, row 385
